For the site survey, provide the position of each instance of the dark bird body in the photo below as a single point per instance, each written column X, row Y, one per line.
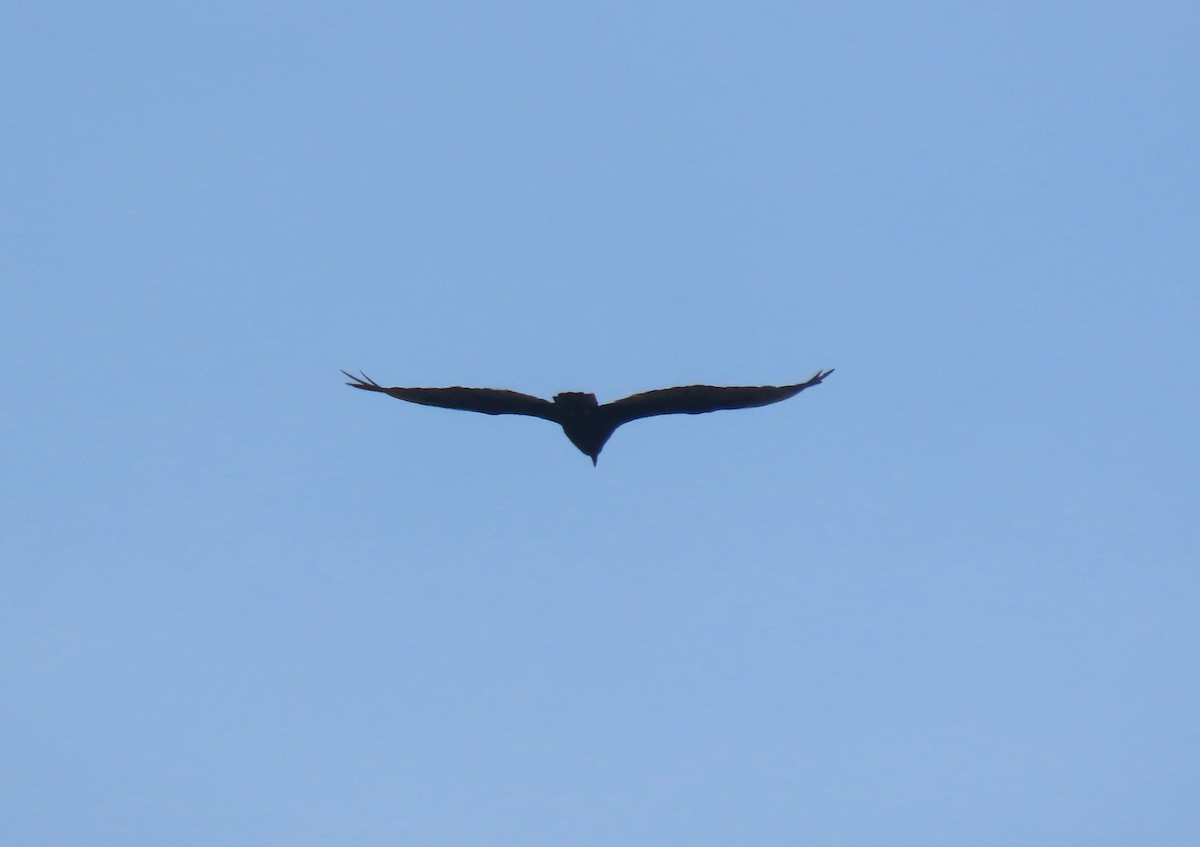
column 587, row 423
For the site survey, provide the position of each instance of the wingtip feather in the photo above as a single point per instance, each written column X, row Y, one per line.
column 363, row 381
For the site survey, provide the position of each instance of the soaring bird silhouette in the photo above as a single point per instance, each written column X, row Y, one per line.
column 588, row 424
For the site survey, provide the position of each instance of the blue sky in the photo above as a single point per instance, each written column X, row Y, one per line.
column 948, row 597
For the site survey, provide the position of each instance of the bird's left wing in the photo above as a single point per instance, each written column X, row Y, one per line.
column 489, row 401
column 698, row 399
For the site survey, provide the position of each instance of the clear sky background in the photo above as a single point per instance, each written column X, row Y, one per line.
column 949, row 597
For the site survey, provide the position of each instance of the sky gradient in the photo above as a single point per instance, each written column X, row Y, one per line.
column 951, row 596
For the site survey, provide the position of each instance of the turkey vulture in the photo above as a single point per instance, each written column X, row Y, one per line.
column 588, row 424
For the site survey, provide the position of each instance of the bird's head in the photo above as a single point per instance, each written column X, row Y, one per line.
column 587, row 442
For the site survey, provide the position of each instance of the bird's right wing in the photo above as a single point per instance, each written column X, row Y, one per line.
column 698, row 399
column 489, row 401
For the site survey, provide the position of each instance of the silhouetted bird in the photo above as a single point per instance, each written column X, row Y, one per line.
column 588, row 424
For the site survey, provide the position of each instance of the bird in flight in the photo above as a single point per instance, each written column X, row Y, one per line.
column 588, row 424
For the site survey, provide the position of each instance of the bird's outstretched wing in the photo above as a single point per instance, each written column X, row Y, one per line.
column 698, row 399
column 490, row 401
